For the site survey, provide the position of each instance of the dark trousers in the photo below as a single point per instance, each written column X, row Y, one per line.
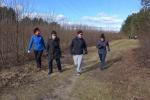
column 50, row 64
column 102, row 57
column 38, row 55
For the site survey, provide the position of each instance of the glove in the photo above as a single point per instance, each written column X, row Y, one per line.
column 85, row 52
column 71, row 52
column 29, row 51
column 109, row 49
column 46, row 53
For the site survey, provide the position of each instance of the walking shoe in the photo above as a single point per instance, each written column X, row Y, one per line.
column 39, row 69
column 60, row 71
column 102, row 68
column 78, row 74
column 49, row 73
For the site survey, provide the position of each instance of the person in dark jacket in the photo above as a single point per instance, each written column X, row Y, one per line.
column 39, row 45
column 54, row 52
column 78, row 48
column 103, row 47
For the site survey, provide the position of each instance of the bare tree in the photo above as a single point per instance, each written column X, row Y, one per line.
column 16, row 26
column 145, row 4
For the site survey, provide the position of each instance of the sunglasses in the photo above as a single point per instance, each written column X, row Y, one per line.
column 53, row 34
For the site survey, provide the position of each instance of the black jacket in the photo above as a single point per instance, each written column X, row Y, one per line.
column 78, row 46
column 53, row 48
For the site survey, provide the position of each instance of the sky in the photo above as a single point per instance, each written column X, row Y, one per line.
column 109, row 14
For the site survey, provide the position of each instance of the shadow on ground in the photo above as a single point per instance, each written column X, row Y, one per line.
column 97, row 65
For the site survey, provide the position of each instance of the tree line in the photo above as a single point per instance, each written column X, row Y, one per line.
column 15, row 32
column 139, row 24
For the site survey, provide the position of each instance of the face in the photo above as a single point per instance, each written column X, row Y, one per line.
column 80, row 35
column 37, row 33
column 102, row 39
column 53, row 36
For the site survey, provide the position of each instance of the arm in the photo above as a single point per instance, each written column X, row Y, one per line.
column 47, row 46
column 71, row 47
column 30, row 43
column 108, row 46
column 59, row 47
column 43, row 42
column 50, row 48
column 99, row 45
column 85, row 47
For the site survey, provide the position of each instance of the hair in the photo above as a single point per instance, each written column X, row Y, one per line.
column 80, row 31
column 103, row 36
column 36, row 29
column 54, row 32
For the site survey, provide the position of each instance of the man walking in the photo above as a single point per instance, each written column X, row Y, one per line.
column 78, row 48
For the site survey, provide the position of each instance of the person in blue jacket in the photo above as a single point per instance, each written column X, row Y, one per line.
column 103, row 47
column 39, row 46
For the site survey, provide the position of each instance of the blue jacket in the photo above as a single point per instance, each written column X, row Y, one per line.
column 38, row 43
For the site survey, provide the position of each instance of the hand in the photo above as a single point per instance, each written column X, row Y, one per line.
column 61, row 56
column 46, row 53
column 71, row 52
column 29, row 51
column 85, row 52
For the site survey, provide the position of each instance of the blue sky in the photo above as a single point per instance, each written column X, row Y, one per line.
column 109, row 14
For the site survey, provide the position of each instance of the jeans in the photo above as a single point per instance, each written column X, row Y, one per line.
column 78, row 62
column 102, row 57
column 38, row 55
column 50, row 64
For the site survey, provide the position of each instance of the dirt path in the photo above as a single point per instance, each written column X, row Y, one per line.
column 118, row 82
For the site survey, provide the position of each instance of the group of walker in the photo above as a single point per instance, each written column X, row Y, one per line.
column 78, row 49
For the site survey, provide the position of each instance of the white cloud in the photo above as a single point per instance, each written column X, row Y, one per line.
column 2, row 4
column 108, row 22
column 18, row 7
column 102, row 18
column 47, row 16
column 135, row 11
column 60, row 17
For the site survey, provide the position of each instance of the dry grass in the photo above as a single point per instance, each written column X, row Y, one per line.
column 121, row 81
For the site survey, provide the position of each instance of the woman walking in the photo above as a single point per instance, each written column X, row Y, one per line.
column 54, row 52
column 103, row 47
column 39, row 46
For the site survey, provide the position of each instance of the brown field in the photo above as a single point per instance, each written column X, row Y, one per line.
column 123, row 80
